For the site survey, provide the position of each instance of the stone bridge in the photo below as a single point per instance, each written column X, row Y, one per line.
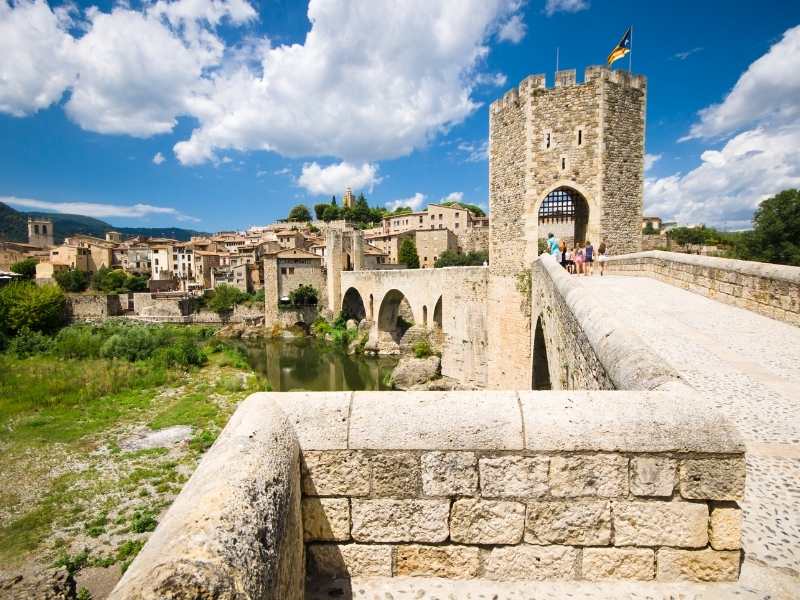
column 448, row 303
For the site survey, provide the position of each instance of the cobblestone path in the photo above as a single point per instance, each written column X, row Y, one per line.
column 749, row 368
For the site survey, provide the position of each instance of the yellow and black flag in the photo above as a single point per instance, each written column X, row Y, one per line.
column 622, row 48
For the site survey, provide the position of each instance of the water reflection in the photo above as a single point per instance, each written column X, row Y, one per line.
column 304, row 363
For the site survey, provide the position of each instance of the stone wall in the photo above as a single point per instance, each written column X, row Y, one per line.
column 771, row 290
column 94, row 308
column 235, row 530
column 587, row 347
column 529, row 485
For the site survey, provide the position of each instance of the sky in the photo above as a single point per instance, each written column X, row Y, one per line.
column 222, row 114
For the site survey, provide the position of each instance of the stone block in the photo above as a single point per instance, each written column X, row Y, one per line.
column 725, row 532
column 712, row 478
column 326, row 519
column 335, row 473
column 603, row 475
column 349, row 560
column 395, row 474
column 618, row 563
column 474, row 521
column 682, row 524
column 573, row 523
column 319, row 419
column 451, row 562
column 449, row 474
column 653, row 476
column 513, row 476
column 385, row 520
column 697, row 565
column 531, row 562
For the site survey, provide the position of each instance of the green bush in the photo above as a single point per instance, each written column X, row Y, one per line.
column 117, row 281
column 448, row 258
column 143, row 520
column 72, row 280
column 224, row 297
column 422, row 349
column 304, row 295
column 407, row 255
column 135, row 344
column 79, row 341
column 27, row 343
column 25, row 267
column 183, row 353
column 24, row 304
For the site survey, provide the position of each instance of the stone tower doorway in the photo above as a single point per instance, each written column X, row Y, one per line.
column 564, row 212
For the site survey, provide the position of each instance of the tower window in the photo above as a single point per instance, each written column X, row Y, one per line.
column 563, row 163
column 547, row 140
column 580, row 137
column 44, row 229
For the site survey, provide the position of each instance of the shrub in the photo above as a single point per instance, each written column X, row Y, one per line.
column 72, row 280
column 134, row 344
column 28, row 343
column 183, row 353
column 117, row 281
column 24, row 304
column 303, row 295
column 407, row 254
column 25, row 267
column 422, row 349
column 224, row 297
column 143, row 520
column 299, row 213
column 448, row 258
column 78, row 341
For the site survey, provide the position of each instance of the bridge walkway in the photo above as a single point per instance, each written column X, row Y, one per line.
column 749, row 367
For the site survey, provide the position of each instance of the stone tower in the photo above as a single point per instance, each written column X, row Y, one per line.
column 349, row 200
column 570, row 159
column 40, row 232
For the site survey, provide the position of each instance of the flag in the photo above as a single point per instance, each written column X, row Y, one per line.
column 622, row 48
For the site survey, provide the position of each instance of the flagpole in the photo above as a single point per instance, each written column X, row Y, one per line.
column 630, row 53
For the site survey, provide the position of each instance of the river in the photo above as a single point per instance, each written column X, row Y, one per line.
column 306, row 363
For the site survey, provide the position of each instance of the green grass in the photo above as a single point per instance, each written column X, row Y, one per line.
column 191, row 409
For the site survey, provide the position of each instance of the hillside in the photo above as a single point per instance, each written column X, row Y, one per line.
column 13, row 226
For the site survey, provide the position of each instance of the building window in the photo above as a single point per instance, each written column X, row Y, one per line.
column 456, row 225
column 563, row 163
column 283, row 270
column 36, row 229
column 547, row 140
column 44, row 229
column 580, row 137
column 291, row 270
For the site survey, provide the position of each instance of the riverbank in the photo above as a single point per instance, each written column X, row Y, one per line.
column 93, row 449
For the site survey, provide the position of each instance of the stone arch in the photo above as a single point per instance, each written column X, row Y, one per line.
column 563, row 211
column 437, row 314
column 541, row 366
column 395, row 315
column 302, row 325
column 353, row 305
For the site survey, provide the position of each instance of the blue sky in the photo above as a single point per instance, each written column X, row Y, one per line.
column 218, row 114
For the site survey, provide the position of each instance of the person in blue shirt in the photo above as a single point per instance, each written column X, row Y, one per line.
column 588, row 254
column 552, row 246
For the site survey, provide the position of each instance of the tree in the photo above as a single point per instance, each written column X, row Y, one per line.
column 304, row 295
column 224, row 297
column 473, row 208
column 331, row 213
column 27, row 305
column 448, row 258
column 319, row 211
column 402, row 210
column 299, row 213
column 25, row 267
column 776, row 231
column 408, row 254
column 649, row 229
column 72, row 280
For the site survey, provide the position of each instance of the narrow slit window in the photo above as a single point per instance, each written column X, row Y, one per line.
column 580, row 137
column 563, row 163
column 547, row 140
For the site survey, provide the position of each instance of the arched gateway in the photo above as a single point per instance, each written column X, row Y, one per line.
column 564, row 212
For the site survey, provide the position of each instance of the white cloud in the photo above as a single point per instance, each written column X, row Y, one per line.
column 767, row 91
column 414, row 203
column 37, row 66
column 475, row 151
column 334, row 178
column 761, row 160
column 370, row 81
column 569, row 6
column 686, row 54
column 650, row 160
column 512, row 30
column 158, row 158
column 491, row 79
column 283, row 171
column 98, row 210
column 453, row 197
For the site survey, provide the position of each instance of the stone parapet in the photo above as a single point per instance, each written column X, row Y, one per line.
column 771, row 290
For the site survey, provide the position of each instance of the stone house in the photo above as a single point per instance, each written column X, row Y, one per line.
column 432, row 242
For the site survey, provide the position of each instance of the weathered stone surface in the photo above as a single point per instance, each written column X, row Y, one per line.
column 427, row 421
column 395, row 474
column 412, row 371
column 652, row 476
column 46, row 584
column 604, row 475
column 513, row 476
column 618, row 563
column 474, row 521
column 350, row 560
column 449, row 474
column 712, row 478
column 573, row 523
column 400, row 520
column 726, row 528
column 319, row 419
column 326, row 519
column 697, row 565
column 452, row 562
column 335, row 473
column 682, row 524
column 531, row 562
